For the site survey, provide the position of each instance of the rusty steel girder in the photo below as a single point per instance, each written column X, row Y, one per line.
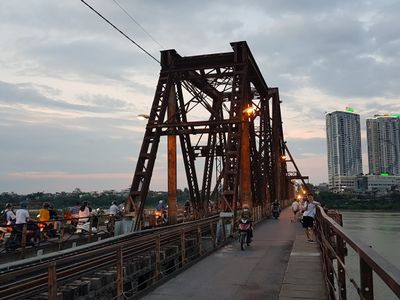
column 226, row 117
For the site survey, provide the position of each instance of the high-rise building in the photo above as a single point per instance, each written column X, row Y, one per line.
column 344, row 147
column 383, row 136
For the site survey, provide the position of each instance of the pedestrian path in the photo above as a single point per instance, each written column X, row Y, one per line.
column 262, row 271
column 303, row 277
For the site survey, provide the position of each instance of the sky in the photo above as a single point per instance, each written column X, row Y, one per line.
column 71, row 86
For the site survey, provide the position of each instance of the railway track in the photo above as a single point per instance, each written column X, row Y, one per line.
column 29, row 276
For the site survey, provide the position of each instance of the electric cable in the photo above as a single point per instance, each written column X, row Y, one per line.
column 120, row 31
column 137, row 23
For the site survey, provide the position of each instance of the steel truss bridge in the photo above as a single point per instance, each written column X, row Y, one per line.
column 227, row 119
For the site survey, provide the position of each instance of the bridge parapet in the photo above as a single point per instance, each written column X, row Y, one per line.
column 334, row 240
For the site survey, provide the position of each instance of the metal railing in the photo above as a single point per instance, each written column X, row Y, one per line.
column 334, row 240
column 49, row 273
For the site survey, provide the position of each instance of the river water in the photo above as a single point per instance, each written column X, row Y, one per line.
column 379, row 230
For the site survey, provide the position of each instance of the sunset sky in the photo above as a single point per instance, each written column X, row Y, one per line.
column 71, row 86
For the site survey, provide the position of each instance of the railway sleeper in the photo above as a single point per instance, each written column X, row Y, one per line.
column 139, row 272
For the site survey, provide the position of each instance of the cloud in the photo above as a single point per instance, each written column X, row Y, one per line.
column 71, row 86
column 69, row 176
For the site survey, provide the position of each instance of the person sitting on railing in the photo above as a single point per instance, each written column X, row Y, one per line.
column 309, row 211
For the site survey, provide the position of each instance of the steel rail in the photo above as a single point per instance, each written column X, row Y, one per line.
column 34, row 277
column 33, row 262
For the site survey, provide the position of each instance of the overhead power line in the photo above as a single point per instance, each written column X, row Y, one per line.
column 120, row 31
column 137, row 23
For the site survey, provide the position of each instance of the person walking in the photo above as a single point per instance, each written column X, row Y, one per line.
column 309, row 212
column 295, row 210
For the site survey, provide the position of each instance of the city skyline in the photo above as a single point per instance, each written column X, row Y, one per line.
column 71, row 86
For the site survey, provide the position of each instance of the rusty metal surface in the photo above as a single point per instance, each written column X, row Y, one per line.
column 207, row 114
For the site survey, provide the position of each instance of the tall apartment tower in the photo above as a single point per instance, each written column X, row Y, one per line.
column 383, row 136
column 344, row 148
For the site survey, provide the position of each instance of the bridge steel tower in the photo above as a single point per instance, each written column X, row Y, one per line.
column 227, row 119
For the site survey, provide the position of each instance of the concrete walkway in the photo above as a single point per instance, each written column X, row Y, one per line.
column 269, row 269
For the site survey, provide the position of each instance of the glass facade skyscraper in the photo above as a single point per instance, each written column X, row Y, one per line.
column 344, row 148
column 383, row 136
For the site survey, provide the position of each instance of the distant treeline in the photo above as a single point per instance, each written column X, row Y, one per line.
column 390, row 201
column 103, row 199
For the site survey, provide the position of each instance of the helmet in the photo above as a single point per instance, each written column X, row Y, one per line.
column 8, row 205
column 161, row 201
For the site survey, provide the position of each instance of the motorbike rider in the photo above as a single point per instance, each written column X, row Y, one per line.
column 115, row 211
column 44, row 219
column 162, row 208
column 10, row 216
column 276, row 206
column 187, row 208
column 22, row 217
column 247, row 215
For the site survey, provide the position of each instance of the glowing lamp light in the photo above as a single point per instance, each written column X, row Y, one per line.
column 249, row 111
column 283, row 157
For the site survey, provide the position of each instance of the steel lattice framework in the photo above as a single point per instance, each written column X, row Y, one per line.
column 227, row 119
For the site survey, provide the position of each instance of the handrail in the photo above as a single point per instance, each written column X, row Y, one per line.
column 333, row 239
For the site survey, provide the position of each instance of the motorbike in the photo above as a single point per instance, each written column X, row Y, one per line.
column 161, row 217
column 15, row 239
column 244, row 232
column 276, row 212
column 5, row 233
column 84, row 226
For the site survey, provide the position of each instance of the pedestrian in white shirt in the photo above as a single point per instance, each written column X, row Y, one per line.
column 114, row 210
column 10, row 216
column 295, row 209
column 22, row 215
column 310, row 210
